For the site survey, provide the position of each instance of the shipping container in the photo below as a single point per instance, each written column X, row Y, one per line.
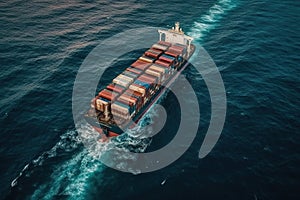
column 161, row 69
column 130, row 74
column 134, row 70
column 170, row 57
column 176, row 50
column 142, row 65
column 124, row 77
column 150, row 78
column 146, row 59
column 151, row 54
column 162, row 63
column 115, row 88
column 159, row 47
column 172, row 53
column 121, row 103
column 138, row 88
column 143, row 83
column 168, row 44
column 128, row 99
column 165, row 59
column 156, row 51
column 107, row 94
column 135, row 94
column 118, row 108
column 123, row 82
column 178, row 47
column 102, row 105
column 154, row 73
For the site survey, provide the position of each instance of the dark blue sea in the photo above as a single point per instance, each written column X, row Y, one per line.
column 255, row 44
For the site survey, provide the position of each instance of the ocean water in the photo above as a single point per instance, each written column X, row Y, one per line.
column 255, row 45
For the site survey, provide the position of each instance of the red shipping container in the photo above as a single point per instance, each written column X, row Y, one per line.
column 150, row 54
column 108, row 95
column 172, row 53
column 162, row 63
column 142, row 65
column 115, row 88
column 162, row 58
column 156, row 51
column 165, row 43
column 134, row 70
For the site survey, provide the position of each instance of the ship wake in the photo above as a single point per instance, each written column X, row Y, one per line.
column 211, row 19
column 69, row 178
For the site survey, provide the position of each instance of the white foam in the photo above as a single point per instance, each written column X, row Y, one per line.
column 71, row 178
column 210, row 20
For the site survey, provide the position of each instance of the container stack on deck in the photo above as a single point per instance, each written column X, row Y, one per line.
column 134, row 87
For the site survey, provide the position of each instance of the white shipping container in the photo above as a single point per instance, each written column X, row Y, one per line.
column 138, row 89
column 122, row 82
column 118, row 109
column 154, row 73
column 161, row 47
column 158, row 68
column 121, row 76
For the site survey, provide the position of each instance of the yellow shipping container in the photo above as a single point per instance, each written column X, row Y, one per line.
column 145, row 59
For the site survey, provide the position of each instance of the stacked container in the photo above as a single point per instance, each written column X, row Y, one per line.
column 163, row 63
column 138, row 83
column 115, row 88
column 147, row 59
column 154, row 72
column 159, row 47
column 167, row 58
column 138, row 88
column 123, row 80
column 108, row 95
column 124, row 106
column 120, row 110
column 168, row 44
column 177, row 49
column 136, row 95
column 134, row 70
column 153, row 53
column 130, row 74
column 162, row 70
column 103, row 102
column 141, row 65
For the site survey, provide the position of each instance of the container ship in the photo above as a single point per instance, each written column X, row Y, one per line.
column 129, row 96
